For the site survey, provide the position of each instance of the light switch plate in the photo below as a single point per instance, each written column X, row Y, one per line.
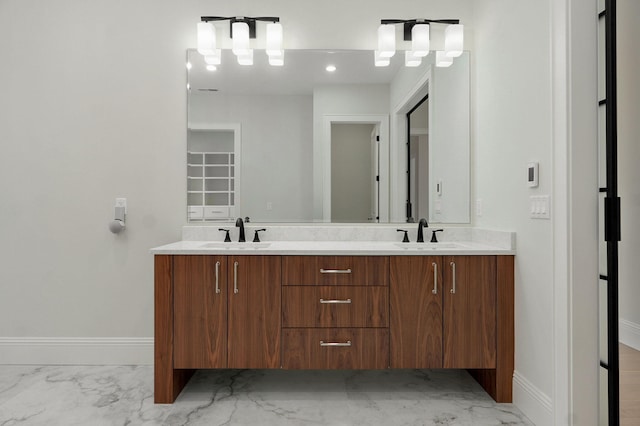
column 540, row 206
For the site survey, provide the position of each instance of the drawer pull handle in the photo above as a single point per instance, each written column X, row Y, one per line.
column 235, row 277
column 435, row 278
column 335, row 301
column 453, row 268
column 335, row 344
column 335, row 271
column 217, row 277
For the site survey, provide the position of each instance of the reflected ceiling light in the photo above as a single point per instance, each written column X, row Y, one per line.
column 417, row 32
column 411, row 60
column 454, row 40
column 214, row 59
column 246, row 59
column 380, row 61
column 442, row 60
column 242, row 30
column 386, row 40
column 189, row 65
column 211, row 68
column 331, row 68
column 206, row 38
column 276, row 60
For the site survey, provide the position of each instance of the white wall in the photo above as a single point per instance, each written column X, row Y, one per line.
column 93, row 107
column 628, row 169
column 277, row 147
column 512, row 126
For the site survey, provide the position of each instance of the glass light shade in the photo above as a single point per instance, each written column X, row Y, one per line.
column 274, row 39
column 442, row 60
column 410, row 60
column 387, row 40
column 420, row 40
column 206, row 38
column 240, row 45
column 454, row 40
column 276, row 60
column 215, row 58
column 246, row 58
column 380, row 61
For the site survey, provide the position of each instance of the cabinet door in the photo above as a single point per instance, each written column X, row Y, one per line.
column 470, row 312
column 200, row 311
column 254, row 311
column 416, row 312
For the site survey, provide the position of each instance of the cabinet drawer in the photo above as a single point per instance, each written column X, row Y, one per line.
column 335, row 270
column 335, row 306
column 335, row 348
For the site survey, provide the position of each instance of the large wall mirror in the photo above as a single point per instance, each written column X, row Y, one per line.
column 299, row 143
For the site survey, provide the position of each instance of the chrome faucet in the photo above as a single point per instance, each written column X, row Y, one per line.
column 240, row 224
column 421, row 224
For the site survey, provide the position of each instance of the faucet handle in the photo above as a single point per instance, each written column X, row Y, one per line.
column 434, row 239
column 406, row 236
column 227, row 238
column 256, row 238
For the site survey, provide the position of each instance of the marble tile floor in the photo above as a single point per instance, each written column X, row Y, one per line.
column 123, row 395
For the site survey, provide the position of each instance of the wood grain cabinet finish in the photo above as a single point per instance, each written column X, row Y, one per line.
column 232, row 321
column 469, row 323
column 416, row 312
column 443, row 312
column 335, row 270
column 333, row 312
column 335, row 306
column 335, row 348
column 200, row 312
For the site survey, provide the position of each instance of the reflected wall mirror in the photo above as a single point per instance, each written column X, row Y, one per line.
column 298, row 143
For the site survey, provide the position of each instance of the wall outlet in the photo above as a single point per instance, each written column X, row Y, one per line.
column 122, row 202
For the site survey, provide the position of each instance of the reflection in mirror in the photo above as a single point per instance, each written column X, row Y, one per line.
column 303, row 145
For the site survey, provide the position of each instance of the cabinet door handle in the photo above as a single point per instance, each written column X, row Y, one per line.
column 453, row 268
column 335, row 271
column 435, row 278
column 235, row 277
column 335, row 301
column 335, row 344
column 217, row 277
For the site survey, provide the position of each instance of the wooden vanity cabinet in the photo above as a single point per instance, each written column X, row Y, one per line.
column 214, row 312
column 333, row 312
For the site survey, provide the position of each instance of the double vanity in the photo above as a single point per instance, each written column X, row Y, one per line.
column 321, row 304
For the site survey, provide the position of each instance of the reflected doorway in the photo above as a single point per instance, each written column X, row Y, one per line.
column 418, row 161
column 355, row 190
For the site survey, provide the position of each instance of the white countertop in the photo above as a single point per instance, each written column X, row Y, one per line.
column 352, row 248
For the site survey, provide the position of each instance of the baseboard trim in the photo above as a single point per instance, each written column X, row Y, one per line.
column 76, row 350
column 534, row 403
column 630, row 334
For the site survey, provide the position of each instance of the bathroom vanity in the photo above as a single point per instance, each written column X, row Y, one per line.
column 333, row 305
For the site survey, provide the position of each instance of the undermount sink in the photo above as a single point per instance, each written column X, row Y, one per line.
column 236, row 246
column 427, row 246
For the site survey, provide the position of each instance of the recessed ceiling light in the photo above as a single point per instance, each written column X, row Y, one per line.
column 331, row 68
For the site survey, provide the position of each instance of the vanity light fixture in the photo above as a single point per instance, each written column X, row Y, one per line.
column 242, row 30
column 442, row 60
column 417, row 32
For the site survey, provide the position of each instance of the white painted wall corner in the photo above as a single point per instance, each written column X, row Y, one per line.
column 534, row 403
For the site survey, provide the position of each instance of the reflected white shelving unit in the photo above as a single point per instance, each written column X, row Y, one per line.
column 212, row 172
